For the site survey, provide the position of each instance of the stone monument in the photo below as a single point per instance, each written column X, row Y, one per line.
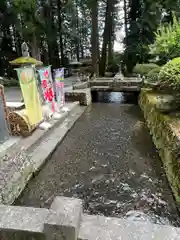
column 119, row 76
column 25, row 49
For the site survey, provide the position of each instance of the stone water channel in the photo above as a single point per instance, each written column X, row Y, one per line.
column 109, row 161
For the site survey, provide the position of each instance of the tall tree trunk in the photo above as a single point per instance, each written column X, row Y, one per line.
column 77, row 33
column 35, row 51
column 60, row 31
column 111, row 37
column 125, row 19
column 106, row 36
column 95, row 37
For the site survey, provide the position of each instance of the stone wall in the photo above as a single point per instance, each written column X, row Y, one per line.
column 65, row 221
column 81, row 95
column 165, row 131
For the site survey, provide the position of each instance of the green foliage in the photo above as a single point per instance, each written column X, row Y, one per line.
column 167, row 44
column 9, row 82
column 153, row 75
column 144, row 69
column 113, row 67
column 142, row 21
column 169, row 75
column 30, row 21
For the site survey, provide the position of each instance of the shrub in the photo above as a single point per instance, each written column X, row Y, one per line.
column 9, row 82
column 169, row 76
column 112, row 67
column 144, row 69
column 167, row 44
column 153, row 75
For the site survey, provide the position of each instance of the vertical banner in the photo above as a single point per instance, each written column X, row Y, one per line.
column 30, row 94
column 47, row 87
column 59, row 86
column 4, row 133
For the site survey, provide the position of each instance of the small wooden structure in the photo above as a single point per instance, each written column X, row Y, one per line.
column 19, row 123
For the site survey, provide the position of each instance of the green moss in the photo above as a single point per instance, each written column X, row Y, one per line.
column 25, row 60
column 166, row 137
column 153, row 75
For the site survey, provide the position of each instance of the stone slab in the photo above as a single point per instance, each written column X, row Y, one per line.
column 22, row 218
column 81, row 85
column 65, row 219
column 8, row 144
column 116, row 88
column 101, row 83
column 126, row 88
column 115, row 85
column 103, row 228
column 107, row 79
column 101, row 88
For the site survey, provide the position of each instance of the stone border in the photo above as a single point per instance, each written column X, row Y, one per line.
column 28, row 156
column 81, row 95
column 114, row 85
column 65, row 221
column 165, row 133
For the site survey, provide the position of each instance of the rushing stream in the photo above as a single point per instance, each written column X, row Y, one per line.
column 109, row 161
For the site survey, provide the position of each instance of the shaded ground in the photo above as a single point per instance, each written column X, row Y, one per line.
column 109, row 161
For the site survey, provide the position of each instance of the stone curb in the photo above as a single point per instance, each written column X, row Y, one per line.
column 22, row 163
column 65, row 221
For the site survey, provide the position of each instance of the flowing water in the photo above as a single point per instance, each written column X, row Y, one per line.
column 109, row 161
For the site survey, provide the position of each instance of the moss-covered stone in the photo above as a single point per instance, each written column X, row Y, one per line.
column 165, row 131
column 25, row 60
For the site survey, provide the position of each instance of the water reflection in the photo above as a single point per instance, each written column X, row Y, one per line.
column 115, row 97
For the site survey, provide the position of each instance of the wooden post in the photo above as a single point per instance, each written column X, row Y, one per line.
column 4, row 133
